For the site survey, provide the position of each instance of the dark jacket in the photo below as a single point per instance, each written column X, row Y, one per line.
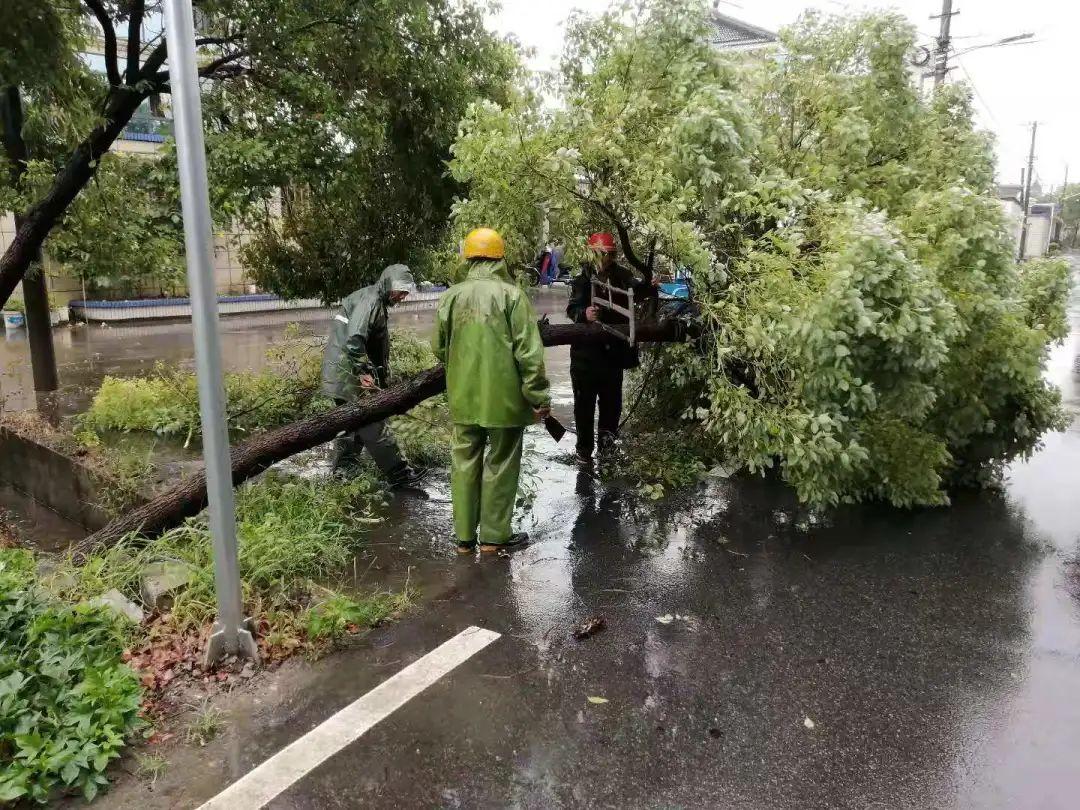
column 359, row 341
column 613, row 352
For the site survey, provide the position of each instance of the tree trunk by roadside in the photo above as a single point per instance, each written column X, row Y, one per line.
column 35, row 288
column 254, row 456
column 80, row 167
column 39, row 330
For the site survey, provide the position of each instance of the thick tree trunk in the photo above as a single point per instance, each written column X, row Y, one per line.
column 252, row 457
column 40, row 218
column 39, row 331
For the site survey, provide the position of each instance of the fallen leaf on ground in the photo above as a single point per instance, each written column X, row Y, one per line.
column 597, row 700
column 589, row 627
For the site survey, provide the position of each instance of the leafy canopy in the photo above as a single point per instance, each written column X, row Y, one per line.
column 866, row 331
column 328, row 125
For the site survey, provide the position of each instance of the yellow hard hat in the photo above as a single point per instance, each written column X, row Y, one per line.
column 483, row 243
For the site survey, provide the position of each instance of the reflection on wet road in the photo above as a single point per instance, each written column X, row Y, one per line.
column 755, row 656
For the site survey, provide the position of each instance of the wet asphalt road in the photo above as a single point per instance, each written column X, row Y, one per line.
column 937, row 654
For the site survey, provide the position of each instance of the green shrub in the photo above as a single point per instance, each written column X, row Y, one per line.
column 14, row 305
column 288, row 389
column 67, row 702
column 167, row 401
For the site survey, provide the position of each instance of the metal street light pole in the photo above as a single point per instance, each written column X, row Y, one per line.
column 231, row 633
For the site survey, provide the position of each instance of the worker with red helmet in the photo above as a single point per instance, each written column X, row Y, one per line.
column 596, row 369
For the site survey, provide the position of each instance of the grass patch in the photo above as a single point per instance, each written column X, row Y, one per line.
column 167, row 401
column 204, row 725
column 290, row 532
column 339, row 615
column 67, row 702
column 150, row 767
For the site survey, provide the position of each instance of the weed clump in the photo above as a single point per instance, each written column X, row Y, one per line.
column 167, row 402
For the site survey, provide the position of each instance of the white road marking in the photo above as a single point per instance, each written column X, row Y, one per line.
column 296, row 760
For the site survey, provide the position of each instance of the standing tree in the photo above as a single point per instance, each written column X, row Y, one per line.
column 867, row 332
column 1069, row 200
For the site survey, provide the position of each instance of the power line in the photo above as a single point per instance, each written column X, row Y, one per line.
column 978, row 95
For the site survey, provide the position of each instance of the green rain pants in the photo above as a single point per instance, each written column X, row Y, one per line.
column 483, row 485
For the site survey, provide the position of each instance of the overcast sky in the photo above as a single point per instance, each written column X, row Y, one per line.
column 1015, row 84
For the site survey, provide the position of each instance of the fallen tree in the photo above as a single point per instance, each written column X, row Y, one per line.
column 254, row 456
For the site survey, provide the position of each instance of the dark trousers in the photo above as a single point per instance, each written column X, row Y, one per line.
column 377, row 440
column 591, row 386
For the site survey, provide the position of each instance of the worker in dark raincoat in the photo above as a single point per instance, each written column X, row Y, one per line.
column 487, row 336
column 357, row 358
column 596, row 369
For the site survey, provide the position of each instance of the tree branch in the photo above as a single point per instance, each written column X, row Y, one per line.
column 628, row 249
column 155, row 60
column 39, row 219
column 134, row 40
column 220, row 68
column 108, row 34
column 203, row 41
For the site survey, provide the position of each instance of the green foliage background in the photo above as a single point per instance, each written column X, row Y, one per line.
column 327, row 144
column 867, row 333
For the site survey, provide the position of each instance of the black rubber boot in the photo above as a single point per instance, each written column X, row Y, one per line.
column 516, row 541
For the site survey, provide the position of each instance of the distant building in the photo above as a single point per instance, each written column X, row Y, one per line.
column 1043, row 223
column 731, row 34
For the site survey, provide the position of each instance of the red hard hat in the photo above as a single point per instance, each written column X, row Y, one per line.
column 603, row 242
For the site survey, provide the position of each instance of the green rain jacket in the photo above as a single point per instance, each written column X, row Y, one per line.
column 359, row 341
column 486, row 334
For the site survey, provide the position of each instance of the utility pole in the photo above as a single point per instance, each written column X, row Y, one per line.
column 1027, row 192
column 232, row 632
column 941, row 52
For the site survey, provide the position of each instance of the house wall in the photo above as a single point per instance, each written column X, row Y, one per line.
column 1038, row 238
column 1014, row 214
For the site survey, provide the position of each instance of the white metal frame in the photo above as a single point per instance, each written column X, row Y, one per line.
column 599, row 300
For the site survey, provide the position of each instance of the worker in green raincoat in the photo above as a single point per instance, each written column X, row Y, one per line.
column 486, row 335
column 356, row 358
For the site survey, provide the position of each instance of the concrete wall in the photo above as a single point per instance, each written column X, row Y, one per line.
column 54, row 480
column 1038, row 238
column 1040, row 229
